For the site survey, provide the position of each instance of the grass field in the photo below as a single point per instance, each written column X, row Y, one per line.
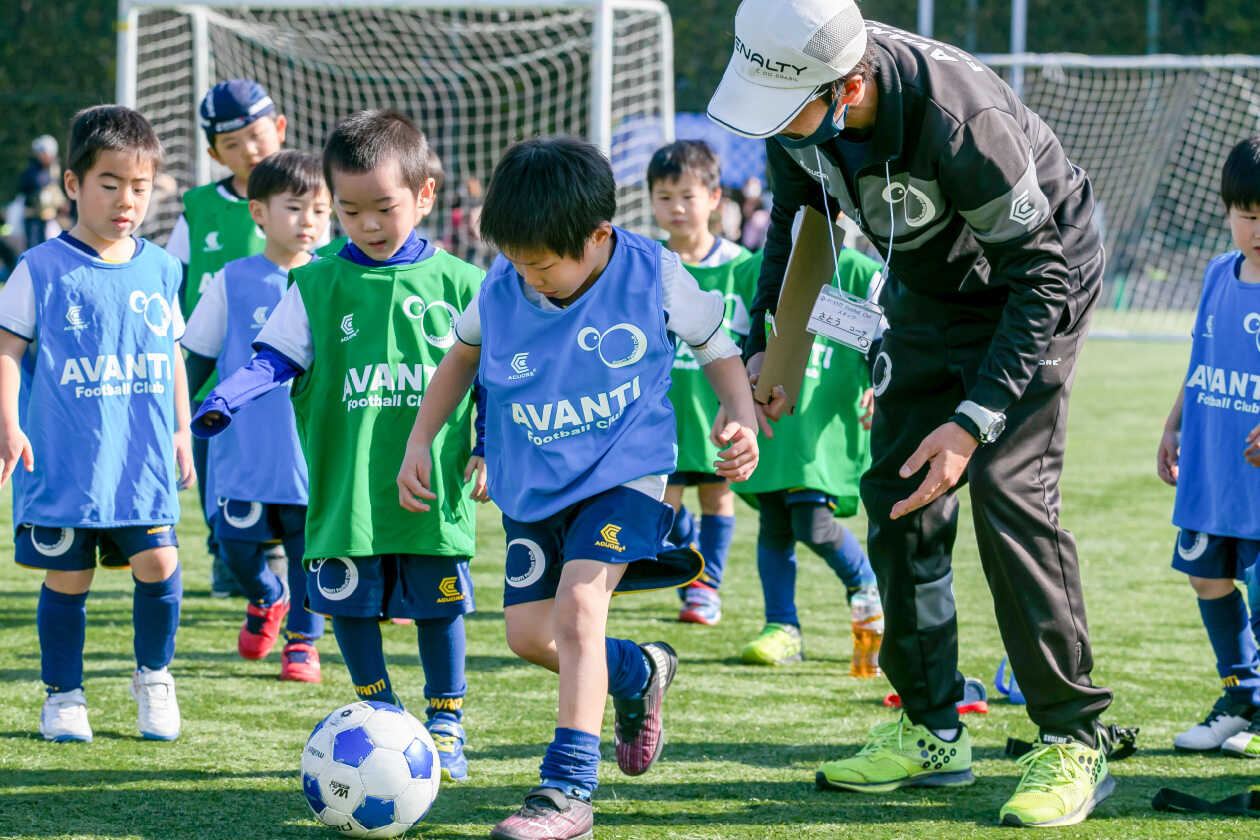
column 743, row 743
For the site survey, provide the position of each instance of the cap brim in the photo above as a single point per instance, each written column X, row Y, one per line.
column 754, row 110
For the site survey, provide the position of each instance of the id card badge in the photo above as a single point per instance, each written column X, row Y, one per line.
column 842, row 317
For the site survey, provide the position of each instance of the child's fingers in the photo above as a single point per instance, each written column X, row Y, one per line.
column 470, row 470
column 28, row 457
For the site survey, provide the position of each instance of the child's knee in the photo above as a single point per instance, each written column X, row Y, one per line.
column 69, row 583
column 529, row 640
column 1209, row 589
column 716, row 499
column 155, row 565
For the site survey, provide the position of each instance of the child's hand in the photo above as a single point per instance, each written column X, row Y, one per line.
column 739, row 451
column 184, row 459
column 1252, row 452
column 777, row 406
column 14, row 447
column 413, row 478
column 477, row 469
column 867, row 405
column 209, row 420
column 1170, row 451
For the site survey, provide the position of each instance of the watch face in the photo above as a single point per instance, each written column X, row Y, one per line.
column 995, row 429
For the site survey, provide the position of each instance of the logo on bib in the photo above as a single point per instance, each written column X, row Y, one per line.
column 525, row 563
column 520, row 364
column 336, row 578
column 155, row 309
column 74, row 319
column 347, row 327
column 1196, row 549
column 609, row 538
column 440, row 333
column 260, row 317
column 212, row 242
column 52, row 548
column 240, row 515
column 1251, row 325
column 449, row 587
column 619, row 345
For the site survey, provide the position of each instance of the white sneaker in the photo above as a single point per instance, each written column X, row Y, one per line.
column 1245, row 744
column 1224, row 721
column 64, row 717
column 158, row 715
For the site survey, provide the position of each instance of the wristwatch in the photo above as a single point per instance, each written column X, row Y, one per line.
column 985, row 425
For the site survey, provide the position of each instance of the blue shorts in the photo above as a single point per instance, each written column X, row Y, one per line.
column 1208, row 556
column 803, row 495
column 416, row 586
column 78, row 549
column 691, row 478
column 258, row 522
column 617, row 526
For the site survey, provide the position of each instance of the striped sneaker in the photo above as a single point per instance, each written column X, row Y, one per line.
column 639, row 730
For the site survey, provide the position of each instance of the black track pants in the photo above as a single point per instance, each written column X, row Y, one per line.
column 921, row 375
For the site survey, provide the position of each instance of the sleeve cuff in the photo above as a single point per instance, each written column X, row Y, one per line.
column 991, row 395
column 205, row 427
column 719, row 347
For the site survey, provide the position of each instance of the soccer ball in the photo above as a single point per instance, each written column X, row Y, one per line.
column 370, row 770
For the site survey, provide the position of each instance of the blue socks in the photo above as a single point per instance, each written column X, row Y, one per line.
column 248, row 564
column 571, row 763
column 442, row 644
column 716, row 533
column 684, row 530
column 1237, row 660
column 155, row 616
column 627, row 668
column 360, row 643
column 61, row 621
column 847, row 559
column 301, row 623
column 777, row 569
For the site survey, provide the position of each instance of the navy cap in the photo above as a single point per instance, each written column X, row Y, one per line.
column 233, row 104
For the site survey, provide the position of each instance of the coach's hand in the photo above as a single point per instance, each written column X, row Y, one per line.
column 14, row 447
column 476, row 469
column 1170, row 451
column 413, row 478
column 184, row 459
column 867, row 404
column 946, row 452
column 1252, row 452
column 777, row 406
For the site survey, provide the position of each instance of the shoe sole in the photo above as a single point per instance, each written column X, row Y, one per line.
column 308, row 678
column 689, row 617
column 495, row 835
column 746, row 659
column 1104, row 789
column 153, row 736
column 956, row 778
column 447, row 777
column 67, row 739
column 1237, row 754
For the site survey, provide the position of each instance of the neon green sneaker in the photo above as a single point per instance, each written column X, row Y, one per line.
column 1062, row 783
column 778, row 644
column 1245, row 744
column 901, row 754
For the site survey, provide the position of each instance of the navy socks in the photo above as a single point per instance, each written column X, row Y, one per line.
column 155, row 616
column 61, row 622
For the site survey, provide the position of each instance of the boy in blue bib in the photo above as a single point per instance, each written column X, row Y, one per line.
column 256, row 466
column 91, row 325
column 1218, row 495
column 570, row 336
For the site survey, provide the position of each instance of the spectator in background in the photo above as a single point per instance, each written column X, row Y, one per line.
column 40, row 188
column 756, row 215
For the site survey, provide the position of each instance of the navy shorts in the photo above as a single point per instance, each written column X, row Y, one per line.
column 691, row 478
column 258, row 522
column 617, row 526
column 1207, row 556
column 416, row 586
column 78, row 549
column 803, row 495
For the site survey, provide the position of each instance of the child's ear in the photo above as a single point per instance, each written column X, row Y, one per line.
column 715, row 198
column 602, row 234
column 281, row 125
column 426, row 196
column 258, row 212
column 214, row 156
column 71, row 183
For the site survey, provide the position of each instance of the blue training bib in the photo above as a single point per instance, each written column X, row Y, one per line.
column 577, row 398
column 258, row 458
column 1218, row 492
column 98, row 390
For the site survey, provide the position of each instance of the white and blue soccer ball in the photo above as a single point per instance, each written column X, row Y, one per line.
column 370, row 770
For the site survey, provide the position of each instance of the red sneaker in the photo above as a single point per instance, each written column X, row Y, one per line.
column 261, row 629
column 701, row 605
column 300, row 662
column 638, row 728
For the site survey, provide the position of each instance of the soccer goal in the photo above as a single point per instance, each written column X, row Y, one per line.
column 475, row 76
column 1152, row 132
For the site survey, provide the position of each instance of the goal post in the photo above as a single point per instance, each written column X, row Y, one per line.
column 1152, row 132
column 476, row 76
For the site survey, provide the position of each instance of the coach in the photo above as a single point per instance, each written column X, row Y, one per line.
column 994, row 265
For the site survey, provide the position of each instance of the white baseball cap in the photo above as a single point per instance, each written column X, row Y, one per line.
column 44, row 144
column 784, row 51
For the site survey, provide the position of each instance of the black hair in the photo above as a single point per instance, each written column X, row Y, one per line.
column 368, row 140
column 1240, row 176
column 436, row 171
column 110, row 128
column 865, row 67
column 685, row 157
column 549, row 193
column 290, row 171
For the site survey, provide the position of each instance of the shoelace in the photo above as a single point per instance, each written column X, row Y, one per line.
column 157, row 695
column 883, row 736
column 1045, row 767
column 444, row 743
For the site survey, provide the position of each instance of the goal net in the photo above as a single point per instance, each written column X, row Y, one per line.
column 1153, row 133
column 475, row 76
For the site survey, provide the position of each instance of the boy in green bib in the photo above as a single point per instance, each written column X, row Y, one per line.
column 242, row 127
column 807, row 477
column 361, row 332
column 684, row 180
